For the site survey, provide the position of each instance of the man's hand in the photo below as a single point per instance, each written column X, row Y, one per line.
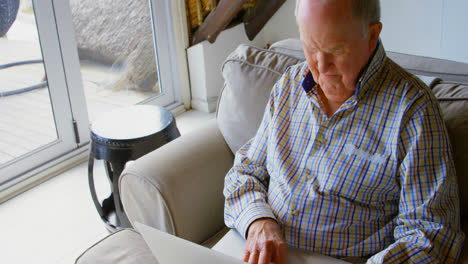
column 265, row 243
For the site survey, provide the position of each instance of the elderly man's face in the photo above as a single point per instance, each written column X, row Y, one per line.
column 334, row 45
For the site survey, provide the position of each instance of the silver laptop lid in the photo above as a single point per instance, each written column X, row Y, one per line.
column 169, row 249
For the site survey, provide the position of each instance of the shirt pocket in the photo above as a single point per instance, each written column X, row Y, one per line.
column 360, row 175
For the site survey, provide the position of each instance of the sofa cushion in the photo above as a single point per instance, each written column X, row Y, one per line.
column 122, row 247
column 292, row 47
column 249, row 74
column 453, row 101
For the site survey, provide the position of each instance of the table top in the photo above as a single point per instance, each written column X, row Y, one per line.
column 132, row 122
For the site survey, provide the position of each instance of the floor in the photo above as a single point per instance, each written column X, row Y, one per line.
column 56, row 221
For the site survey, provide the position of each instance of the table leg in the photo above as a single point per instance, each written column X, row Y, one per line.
column 116, row 169
column 101, row 210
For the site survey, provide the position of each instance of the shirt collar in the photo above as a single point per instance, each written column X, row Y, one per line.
column 366, row 77
column 309, row 83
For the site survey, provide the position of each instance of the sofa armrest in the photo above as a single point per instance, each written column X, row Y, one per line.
column 178, row 187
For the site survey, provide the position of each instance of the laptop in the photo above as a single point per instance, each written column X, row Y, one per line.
column 169, row 249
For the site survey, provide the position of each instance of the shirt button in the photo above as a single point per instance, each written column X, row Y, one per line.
column 309, row 177
column 295, row 212
column 320, row 139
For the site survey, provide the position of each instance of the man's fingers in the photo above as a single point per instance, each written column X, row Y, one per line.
column 246, row 256
column 280, row 254
column 263, row 241
column 254, row 257
column 265, row 256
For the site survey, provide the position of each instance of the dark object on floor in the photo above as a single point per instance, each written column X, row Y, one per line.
column 8, row 12
column 119, row 136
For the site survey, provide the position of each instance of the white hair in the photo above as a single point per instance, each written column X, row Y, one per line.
column 367, row 11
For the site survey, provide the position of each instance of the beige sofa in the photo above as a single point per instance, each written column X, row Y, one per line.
column 178, row 188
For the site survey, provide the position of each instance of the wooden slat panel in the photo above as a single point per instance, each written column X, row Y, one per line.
column 15, row 146
column 23, row 116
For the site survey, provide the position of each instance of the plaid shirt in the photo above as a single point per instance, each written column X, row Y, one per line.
column 374, row 180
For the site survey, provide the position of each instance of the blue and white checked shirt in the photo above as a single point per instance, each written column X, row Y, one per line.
column 374, row 180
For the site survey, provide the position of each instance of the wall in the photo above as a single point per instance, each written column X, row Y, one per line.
column 433, row 28
column 205, row 59
column 281, row 26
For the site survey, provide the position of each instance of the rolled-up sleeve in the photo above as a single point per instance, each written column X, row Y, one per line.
column 428, row 225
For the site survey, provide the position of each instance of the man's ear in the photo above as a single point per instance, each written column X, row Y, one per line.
column 374, row 34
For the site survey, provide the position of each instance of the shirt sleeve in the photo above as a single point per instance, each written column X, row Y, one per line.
column 428, row 223
column 246, row 184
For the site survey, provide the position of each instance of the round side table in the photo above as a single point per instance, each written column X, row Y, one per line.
column 119, row 136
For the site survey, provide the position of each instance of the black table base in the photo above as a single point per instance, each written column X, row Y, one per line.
column 116, row 152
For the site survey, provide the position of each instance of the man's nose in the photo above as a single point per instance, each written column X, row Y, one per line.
column 324, row 61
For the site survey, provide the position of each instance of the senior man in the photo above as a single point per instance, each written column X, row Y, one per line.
column 352, row 158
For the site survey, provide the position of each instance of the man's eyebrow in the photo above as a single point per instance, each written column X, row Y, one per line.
column 308, row 47
column 338, row 47
column 331, row 50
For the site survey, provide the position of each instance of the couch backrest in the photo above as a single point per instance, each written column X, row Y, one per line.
column 250, row 73
column 444, row 69
column 453, row 101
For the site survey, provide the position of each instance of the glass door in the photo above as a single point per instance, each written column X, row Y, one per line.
column 36, row 119
column 117, row 50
